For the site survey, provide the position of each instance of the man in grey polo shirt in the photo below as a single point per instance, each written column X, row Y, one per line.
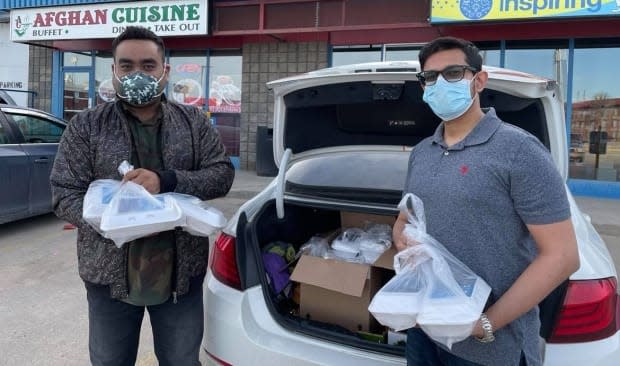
column 494, row 199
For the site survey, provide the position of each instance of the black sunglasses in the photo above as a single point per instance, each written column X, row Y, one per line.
column 452, row 74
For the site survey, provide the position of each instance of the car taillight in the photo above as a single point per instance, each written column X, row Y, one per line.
column 224, row 261
column 588, row 313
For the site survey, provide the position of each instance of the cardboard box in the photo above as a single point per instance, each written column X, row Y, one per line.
column 339, row 292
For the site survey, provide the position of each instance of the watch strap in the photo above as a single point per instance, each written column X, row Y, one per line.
column 487, row 327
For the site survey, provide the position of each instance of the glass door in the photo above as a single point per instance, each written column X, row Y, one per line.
column 76, row 92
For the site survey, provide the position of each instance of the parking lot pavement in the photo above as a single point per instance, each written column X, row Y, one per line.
column 42, row 301
column 43, row 308
column 43, row 311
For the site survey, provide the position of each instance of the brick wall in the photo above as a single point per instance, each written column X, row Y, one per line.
column 40, row 76
column 263, row 62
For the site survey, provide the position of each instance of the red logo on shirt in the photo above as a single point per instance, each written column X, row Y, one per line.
column 464, row 169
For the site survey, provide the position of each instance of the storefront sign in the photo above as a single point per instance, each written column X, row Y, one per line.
column 455, row 11
column 107, row 20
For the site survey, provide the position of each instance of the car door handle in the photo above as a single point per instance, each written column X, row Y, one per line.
column 42, row 161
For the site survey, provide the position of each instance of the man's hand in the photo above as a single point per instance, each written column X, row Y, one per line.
column 398, row 238
column 399, row 241
column 146, row 178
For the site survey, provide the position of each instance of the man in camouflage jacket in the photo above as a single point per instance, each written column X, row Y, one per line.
column 176, row 150
column 96, row 142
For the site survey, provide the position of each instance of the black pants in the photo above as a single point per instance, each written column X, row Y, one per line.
column 422, row 351
column 114, row 327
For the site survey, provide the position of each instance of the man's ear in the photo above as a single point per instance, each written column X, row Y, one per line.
column 166, row 75
column 480, row 82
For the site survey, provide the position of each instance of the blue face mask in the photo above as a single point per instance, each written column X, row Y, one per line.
column 448, row 100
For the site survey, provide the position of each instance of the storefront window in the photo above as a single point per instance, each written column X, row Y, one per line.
column 551, row 63
column 187, row 84
column 491, row 57
column 187, row 78
column 225, row 84
column 355, row 55
column 537, row 62
column 595, row 122
column 77, row 59
column 104, row 91
column 400, row 52
column 396, row 54
column 225, row 97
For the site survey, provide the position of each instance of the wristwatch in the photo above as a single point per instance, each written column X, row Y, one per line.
column 487, row 328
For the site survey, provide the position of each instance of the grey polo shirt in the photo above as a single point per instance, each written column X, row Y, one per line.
column 478, row 196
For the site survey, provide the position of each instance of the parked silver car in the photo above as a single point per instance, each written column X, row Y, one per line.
column 28, row 144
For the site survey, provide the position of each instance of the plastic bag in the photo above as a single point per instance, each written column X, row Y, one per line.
column 134, row 213
column 399, row 301
column 346, row 246
column 126, row 211
column 316, row 246
column 97, row 198
column 124, row 167
column 377, row 239
column 278, row 257
column 201, row 219
column 447, row 297
column 361, row 246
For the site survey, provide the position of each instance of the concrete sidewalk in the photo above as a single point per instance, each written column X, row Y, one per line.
column 247, row 184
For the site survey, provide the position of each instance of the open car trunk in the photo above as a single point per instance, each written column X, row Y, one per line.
column 300, row 223
column 377, row 123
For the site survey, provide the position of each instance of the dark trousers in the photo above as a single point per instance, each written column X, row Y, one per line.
column 114, row 327
column 422, row 351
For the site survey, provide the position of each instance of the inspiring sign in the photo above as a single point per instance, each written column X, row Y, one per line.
column 454, row 11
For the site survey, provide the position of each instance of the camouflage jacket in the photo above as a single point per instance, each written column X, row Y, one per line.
column 95, row 142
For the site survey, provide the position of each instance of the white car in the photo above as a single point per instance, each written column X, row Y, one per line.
column 342, row 137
